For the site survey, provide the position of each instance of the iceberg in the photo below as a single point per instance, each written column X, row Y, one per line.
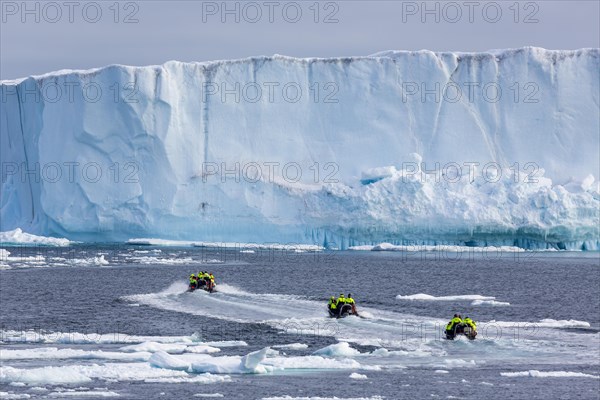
column 18, row 237
column 408, row 148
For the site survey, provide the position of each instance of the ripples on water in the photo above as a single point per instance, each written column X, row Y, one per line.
column 536, row 312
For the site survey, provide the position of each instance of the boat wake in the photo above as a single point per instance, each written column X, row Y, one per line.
column 412, row 338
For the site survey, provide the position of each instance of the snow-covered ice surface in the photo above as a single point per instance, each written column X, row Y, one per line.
column 18, row 237
column 362, row 181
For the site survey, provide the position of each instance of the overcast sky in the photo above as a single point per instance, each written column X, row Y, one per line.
column 48, row 36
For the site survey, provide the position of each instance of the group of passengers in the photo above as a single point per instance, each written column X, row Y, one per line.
column 457, row 326
column 202, row 279
column 336, row 306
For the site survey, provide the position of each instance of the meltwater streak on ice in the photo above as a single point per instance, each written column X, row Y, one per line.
column 411, row 339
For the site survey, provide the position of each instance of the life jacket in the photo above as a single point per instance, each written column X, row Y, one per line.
column 340, row 300
column 332, row 304
column 349, row 300
column 470, row 322
column 453, row 323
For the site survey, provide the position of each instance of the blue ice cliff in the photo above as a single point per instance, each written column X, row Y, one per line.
column 484, row 148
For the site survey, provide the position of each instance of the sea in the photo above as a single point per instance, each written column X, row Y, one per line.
column 116, row 321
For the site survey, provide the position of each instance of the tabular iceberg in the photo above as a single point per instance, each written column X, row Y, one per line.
column 406, row 147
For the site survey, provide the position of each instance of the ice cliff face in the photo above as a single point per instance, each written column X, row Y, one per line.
column 420, row 147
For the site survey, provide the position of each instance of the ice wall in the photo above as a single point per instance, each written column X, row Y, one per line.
column 117, row 152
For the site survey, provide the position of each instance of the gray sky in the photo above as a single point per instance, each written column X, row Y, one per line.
column 48, row 36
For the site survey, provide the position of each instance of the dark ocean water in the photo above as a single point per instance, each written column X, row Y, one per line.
column 66, row 292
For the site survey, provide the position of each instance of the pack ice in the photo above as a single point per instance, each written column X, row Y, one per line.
column 492, row 148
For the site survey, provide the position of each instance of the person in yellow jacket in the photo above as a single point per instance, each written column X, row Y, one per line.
column 472, row 333
column 193, row 281
column 331, row 305
column 210, row 281
column 341, row 300
column 468, row 321
column 201, row 281
column 451, row 327
column 350, row 300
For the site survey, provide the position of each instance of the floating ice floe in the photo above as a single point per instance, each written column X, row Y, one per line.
column 40, row 336
column 323, row 398
column 544, row 323
column 492, row 303
column 459, row 362
column 49, row 353
column 84, row 393
column 7, row 261
column 171, row 261
column 83, row 374
column 248, row 364
column 4, row 254
column 427, row 297
column 341, row 349
column 412, row 353
column 171, row 348
column 477, row 300
column 244, row 247
column 18, row 237
column 257, row 362
column 291, row 346
column 147, row 251
column 441, row 248
column 13, row 396
column 549, row 374
column 87, row 262
column 312, row 363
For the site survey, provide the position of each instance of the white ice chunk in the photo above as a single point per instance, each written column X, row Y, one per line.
column 341, row 349
column 549, row 374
